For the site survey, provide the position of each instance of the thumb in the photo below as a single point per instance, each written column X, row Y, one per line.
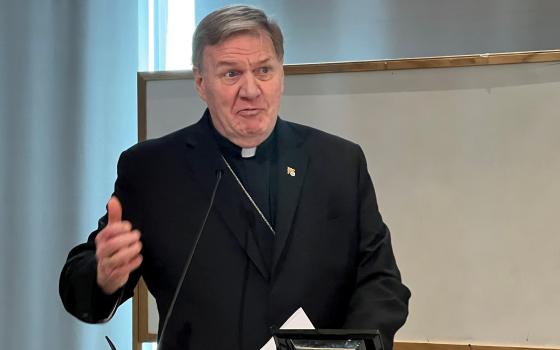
column 114, row 209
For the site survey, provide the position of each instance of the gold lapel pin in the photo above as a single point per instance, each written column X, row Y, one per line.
column 291, row 171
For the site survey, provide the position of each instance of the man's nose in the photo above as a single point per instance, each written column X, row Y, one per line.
column 250, row 88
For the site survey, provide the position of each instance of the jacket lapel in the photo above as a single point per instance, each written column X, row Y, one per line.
column 204, row 162
column 292, row 166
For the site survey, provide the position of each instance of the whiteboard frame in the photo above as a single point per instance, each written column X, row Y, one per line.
column 140, row 299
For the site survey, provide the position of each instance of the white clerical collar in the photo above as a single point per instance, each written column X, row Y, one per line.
column 248, row 152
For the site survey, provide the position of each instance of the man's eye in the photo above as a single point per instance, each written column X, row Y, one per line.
column 264, row 70
column 231, row 74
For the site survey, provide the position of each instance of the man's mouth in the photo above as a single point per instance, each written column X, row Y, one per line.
column 249, row 112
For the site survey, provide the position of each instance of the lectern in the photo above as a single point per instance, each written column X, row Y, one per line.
column 327, row 339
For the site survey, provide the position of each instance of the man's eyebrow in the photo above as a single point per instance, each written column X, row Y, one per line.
column 264, row 61
column 232, row 64
column 226, row 64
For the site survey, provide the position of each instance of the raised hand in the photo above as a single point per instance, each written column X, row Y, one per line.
column 117, row 249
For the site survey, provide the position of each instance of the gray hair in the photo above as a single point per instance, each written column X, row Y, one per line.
column 228, row 21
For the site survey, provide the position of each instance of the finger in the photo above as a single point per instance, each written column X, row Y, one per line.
column 119, row 242
column 114, row 210
column 114, row 231
column 118, row 257
column 125, row 270
column 105, row 247
column 136, row 262
column 120, row 275
column 122, row 257
column 125, row 255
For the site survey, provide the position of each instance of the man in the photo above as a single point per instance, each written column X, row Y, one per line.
column 294, row 223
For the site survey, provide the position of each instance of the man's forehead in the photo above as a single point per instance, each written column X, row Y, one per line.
column 256, row 46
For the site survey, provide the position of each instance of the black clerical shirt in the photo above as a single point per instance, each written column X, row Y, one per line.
column 258, row 176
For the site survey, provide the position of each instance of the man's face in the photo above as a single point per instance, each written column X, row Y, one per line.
column 242, row 82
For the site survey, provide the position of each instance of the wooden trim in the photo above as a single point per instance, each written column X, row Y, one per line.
column 144, row 334
column 439, row 346
column 140, row 298
column 141, row 332
column 397, row 64
column 151, row 338
column 434, row 346
column 425, row 62
column 136, row 341
column 141, row 88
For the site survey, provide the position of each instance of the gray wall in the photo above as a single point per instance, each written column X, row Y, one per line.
column 67, row 109
column 342, row 30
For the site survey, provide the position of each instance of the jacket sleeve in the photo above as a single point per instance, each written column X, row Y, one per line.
column 380, row 299
column 78, row 288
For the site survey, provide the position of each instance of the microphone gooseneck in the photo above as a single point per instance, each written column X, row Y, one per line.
column 188, row 262
column 113, row 347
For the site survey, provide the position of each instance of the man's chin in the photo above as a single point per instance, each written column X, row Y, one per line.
column 251, row 138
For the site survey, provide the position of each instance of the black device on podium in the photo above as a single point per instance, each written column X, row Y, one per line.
column 327, row 339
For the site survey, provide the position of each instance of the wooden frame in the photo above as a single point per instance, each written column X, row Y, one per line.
column 441, row 346
column 140, row 316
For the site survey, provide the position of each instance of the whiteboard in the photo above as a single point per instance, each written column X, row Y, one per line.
column 466, row 164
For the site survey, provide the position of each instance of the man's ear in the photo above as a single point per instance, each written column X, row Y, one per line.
column 199, row 83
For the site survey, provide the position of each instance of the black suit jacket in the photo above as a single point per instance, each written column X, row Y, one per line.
column 332, row 252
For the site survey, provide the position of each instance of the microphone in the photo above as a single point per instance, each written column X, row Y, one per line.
column 188, row 262
column 110, row 343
